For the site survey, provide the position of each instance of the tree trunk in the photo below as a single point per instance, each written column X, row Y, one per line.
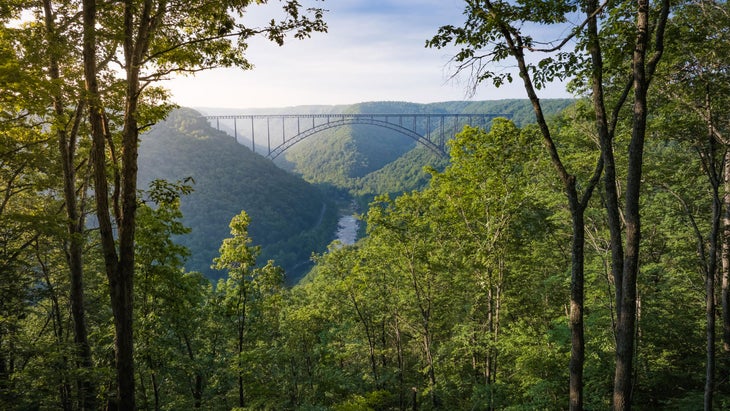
column 725, row 292
column 64, row 386
column 710, row 301
column 156, row 390
column 424, row 308
column 75, row 223
column 605, row 136
column 370, row 337
column 577, row 208
column 121, row 290
column 577, row 338
column 642, row 70
column 119, row 266
column 626, row 319
column 427, row 345
column 197, row 388
column 714, row 175
column 120, row 269
column 401, row 363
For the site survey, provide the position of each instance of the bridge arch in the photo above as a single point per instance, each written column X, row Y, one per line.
column 430, row 130
column 436, row 148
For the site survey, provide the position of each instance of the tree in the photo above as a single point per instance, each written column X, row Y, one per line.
column 695, row 83
column 247, row 292
column 484, row 195
column 449, row 257
column 23, row 213
column 156, row 39
column 66, row 118
column 168, row 301
column 29, row 209
column 495, row 31
column 487, row 23
column 239, row 259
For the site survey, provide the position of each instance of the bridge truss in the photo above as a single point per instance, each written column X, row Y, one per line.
column 281, row 131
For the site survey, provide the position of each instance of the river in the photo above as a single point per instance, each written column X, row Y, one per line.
column 347, row 229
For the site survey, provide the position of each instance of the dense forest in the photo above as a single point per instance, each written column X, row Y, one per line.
column 579, row 260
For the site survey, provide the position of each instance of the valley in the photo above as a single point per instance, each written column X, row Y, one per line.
column 307, row 197
column 158, row 252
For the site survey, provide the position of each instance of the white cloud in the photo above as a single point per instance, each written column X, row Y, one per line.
column 374, row 50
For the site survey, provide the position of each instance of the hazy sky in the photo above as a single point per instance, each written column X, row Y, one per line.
column 374, row 51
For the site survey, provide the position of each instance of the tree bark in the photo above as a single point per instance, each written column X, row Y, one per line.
column 64, row 385
column 626, row 319
column 577, row 338
column 726, row 258
column 197, row 387
column 119, row 267
column 605, row 131
column 119, row 264
column 75, row 222
column 710, row 302
column 713, row 174
column 643, row 71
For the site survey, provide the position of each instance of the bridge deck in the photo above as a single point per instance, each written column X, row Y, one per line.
column 429, row 129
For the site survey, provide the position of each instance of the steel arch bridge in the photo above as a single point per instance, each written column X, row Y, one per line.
column 281, row 131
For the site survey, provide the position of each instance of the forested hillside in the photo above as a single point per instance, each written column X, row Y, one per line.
column 290, row 218
column 580, row 261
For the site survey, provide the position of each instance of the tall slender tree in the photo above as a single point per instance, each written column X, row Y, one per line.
column 156, row 38
column 495, row 31
column 246, row 293
column 694, row 82
column 67, row 123
column 489, row 22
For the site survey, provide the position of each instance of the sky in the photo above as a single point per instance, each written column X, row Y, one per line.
column 374, row 50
